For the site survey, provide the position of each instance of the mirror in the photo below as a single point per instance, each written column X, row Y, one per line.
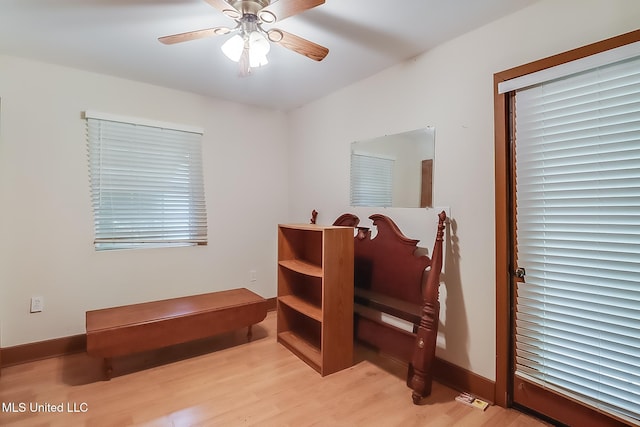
column 394, row 170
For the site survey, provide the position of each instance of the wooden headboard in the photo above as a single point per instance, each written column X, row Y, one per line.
column 395, row 279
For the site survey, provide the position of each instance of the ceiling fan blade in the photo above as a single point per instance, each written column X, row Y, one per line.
column 194, row 35
column 298, row 44
column 285, row 8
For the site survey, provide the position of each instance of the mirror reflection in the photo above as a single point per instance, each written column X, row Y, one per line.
column 394, row 170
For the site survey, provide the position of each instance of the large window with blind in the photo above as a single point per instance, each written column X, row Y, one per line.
column 577, row 231
column 146, row 183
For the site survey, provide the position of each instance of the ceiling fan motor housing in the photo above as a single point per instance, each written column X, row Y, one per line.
column 251, row 7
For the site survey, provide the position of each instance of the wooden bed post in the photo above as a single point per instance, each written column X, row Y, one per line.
column 425, row 347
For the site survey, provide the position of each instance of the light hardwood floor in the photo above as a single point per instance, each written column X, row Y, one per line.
column 225, row 381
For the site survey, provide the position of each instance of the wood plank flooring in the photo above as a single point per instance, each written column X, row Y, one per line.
column 225, row 381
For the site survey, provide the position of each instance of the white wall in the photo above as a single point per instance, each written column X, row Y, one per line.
column 46, row 219
column 449, row 87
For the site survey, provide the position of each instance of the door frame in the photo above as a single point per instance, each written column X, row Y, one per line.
column 504, row 206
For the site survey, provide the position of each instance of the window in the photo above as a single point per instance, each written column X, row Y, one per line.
column 577, row 154
column 146, row 183
column 371, row 180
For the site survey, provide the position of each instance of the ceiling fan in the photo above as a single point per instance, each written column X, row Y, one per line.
column 250, row 44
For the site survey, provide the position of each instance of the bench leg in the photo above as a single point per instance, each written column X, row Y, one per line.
column 107, row 367
column 249, row 333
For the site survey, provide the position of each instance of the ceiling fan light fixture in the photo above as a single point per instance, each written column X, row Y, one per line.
column 256, row 61
column 233, row 48
column 255, row 43
column 259, row 46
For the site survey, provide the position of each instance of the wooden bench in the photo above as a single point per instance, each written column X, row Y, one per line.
column 129, row 329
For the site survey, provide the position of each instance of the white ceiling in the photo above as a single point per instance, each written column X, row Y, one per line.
column 119, row 37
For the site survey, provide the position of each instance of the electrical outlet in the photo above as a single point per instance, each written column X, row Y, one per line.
column 37, row 304
column 252, row 276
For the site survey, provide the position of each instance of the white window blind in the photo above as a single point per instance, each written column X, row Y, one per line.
column 578, row 235
column 371, row 180
column 146, row 184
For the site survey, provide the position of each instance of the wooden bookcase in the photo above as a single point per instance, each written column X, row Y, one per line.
column 315, row 294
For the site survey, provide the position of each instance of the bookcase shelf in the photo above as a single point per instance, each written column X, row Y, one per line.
column 302, row 267
column 302, row 306
column 315, row 294
column 302, row 348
